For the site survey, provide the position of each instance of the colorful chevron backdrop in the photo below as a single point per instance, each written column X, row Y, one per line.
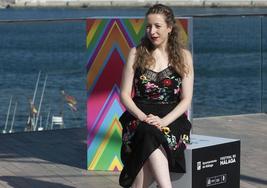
column 108, row 42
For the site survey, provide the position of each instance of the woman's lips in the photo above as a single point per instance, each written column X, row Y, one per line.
column 154, row 38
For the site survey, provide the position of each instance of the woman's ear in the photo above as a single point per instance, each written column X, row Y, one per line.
column 169, row 30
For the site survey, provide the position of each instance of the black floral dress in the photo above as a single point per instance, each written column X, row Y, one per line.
column 156, row 93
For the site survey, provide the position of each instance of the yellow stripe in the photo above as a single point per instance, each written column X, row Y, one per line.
column 115, row 163
column 137, row 24
column 103, row 145
column 183, row 33
column 92, row 32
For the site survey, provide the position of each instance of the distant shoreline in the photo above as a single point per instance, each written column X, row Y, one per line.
column 131, row 3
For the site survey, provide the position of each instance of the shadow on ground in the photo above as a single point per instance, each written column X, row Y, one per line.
column 21, row 182
column 66, row 146
column 253, row 179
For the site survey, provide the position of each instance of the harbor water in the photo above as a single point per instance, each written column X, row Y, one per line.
column 229, row 60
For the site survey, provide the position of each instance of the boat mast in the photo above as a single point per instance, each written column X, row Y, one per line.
column 31, row 118
column 7, row 116
column 36, row 87
column 13, row 119
column 47, row 119
column 40, row 104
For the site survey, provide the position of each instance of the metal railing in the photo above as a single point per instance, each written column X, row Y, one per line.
column 229, row 61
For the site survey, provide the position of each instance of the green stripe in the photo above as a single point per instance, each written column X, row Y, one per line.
column 135, row 36
column 112, row 149
column 99, row 32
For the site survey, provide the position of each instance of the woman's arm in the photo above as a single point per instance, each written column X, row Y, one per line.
column 187, row 92
column 127, row 85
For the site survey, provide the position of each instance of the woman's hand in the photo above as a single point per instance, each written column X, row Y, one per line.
column 155, row 121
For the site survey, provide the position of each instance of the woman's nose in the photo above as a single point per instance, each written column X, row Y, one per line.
column 152, row 30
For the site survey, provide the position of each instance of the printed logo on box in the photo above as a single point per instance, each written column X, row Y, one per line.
column 228, row 159
column 199, row 165
column 215, row 180
column 206, row 164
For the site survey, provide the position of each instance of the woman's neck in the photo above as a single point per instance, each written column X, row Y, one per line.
column 159, row 52
column 162, row 48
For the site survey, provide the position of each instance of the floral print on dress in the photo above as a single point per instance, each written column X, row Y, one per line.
column 158, row 87
column 129, row 133
column 167, row 82
column 173, row 142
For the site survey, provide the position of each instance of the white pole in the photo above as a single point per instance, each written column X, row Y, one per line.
column 40, row 104
column 13, row 119
column 31, row 116
column 40, row 124
column 36, row 87
column 52, row 124
column 7, row 116
column 47, row 119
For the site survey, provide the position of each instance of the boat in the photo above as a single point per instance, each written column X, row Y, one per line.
column 34, row 122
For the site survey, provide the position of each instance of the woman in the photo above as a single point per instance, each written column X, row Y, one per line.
column 155, row 127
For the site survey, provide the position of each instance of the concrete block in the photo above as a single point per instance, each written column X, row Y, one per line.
column 210, row 162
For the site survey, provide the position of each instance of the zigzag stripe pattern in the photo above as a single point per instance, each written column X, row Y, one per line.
column 108, row 42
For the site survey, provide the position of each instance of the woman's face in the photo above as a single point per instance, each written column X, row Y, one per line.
column 157, row 29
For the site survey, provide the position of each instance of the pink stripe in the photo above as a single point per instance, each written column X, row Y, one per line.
column 103, row 87
column 95, row 129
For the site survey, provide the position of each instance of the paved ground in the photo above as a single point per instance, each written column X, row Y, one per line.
column 252, row 131
column 57, row 159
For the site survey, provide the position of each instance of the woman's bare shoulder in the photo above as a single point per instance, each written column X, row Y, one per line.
column 187, row 56
column 186, row 52
column 131, row 57
column 132, row 51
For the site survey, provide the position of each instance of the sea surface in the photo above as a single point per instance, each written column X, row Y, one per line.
column 229, row 60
